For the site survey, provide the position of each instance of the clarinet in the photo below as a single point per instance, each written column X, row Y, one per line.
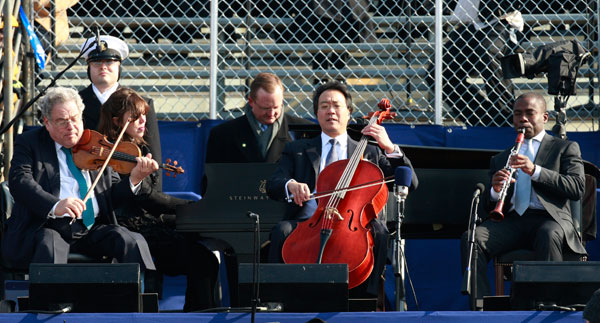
column 496, row 214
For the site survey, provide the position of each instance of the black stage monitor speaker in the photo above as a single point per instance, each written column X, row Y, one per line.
column 85, row 288
column 538, row 285
column 297, row 287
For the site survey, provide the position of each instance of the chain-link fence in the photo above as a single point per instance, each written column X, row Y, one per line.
column 384, row 48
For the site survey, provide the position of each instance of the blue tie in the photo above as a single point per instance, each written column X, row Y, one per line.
column 88, row 213
column 310, row 206
column 523, row 184
column 332, row 155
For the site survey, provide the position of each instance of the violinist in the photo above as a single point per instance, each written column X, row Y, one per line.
column 154, row 215
column 304, row 159
column 49, row 218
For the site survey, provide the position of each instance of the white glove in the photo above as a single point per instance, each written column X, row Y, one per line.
column 514, row 19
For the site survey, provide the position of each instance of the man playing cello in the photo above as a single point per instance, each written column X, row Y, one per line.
column 303, row 160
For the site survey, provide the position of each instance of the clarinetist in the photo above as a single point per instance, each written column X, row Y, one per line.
column 537, row 211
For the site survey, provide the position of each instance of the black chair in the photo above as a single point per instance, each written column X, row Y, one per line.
column 8, row 272
column 584, row 219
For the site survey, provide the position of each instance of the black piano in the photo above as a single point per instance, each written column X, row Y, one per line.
column 232, row 191
column 439, row 208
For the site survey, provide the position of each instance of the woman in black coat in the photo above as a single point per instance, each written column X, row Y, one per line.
column 174, row 253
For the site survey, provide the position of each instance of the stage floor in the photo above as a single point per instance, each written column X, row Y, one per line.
column 380, row 317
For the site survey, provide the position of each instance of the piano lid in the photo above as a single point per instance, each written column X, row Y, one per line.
column 232, row 191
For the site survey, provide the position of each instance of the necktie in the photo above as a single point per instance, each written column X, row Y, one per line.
column 523, row 184
column 88, row 213
column 332, row 155
column 310, row 206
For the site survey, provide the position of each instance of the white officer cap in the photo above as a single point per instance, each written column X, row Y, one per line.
column 111, row 48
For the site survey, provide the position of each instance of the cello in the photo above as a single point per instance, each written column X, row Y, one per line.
column 337, row 231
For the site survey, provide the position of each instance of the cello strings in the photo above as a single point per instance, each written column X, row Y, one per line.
column 345, row 179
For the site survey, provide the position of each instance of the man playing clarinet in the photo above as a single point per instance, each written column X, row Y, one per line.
column 537, row 213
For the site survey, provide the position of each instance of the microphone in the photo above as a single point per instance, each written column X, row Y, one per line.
column 99, row 45
column 252, row 215
column 403, row 179
column 480, row 188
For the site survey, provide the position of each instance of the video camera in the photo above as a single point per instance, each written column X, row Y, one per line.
column 561, row 60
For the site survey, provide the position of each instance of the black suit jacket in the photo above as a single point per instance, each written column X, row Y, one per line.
column 34, row 182
column 561, row 179
column 301, row 160
column 234, row 142
column 91, row 119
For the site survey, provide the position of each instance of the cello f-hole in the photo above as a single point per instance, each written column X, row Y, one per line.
column 353, row 229
column 314, row 224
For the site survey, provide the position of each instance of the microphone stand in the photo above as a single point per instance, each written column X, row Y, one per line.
column 42, row 92
column 398, row 248
column 255, row 264
column 469, row 283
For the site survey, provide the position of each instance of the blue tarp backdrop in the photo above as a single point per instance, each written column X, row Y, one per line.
column 434, row 264
column 186, row 143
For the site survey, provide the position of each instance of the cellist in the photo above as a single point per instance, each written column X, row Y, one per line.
column 303, row 160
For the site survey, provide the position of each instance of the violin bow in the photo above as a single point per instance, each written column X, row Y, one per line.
column 91, row 189
column 114, row 147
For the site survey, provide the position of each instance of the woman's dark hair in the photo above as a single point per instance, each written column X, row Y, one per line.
column 118, row 104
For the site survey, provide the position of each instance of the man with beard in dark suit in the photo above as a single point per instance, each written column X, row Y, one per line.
column 104, row 71
column 537, row 211
column 49, row 218
column 261, row 133
column 303, row 160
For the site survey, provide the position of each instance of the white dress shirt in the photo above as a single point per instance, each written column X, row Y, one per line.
column 68, row 184
column 70, row 188
column 102, row 97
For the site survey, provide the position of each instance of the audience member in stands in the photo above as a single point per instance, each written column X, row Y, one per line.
column 154, row 216
column 49, row 218
column 330, row 23
column 180, row 32
column 261, row 133
column 473, row 50
column 537, row 213
column 105, row 9
column 411, row 9
column 304, row 159
column 104, row 71
column 591, row 313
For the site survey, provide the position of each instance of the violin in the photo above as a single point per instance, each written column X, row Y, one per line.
column 93, row 149
column 337, row 232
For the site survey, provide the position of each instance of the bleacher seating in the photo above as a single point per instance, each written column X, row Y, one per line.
column 391, row 64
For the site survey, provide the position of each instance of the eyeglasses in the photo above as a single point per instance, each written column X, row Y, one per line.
column 103, row 62
column 63, row 123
